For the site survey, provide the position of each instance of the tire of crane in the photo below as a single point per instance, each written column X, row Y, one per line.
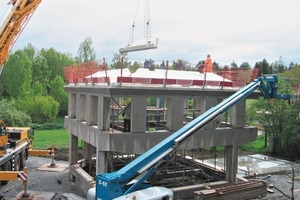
column 22, row 160
column 6, row 167
column 17, row 163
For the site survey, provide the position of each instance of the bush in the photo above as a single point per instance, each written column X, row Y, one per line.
column 47, row 126
column 41, row 108
column 12, row 116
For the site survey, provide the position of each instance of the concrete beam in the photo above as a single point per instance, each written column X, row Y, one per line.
column 140, row 142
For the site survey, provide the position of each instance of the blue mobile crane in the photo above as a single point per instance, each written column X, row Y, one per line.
column 130, row 181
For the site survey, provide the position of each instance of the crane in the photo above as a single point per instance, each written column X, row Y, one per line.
column 14, row 24
column 129, row 182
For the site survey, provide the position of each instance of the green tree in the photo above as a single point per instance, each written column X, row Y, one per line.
column 49, row 64
column 291, row 133
column 233, row 65
column 86, row 52
column 39, row 89
column 278, row 66
column 292, row 73
column 117, row 61
column 245, row 65
column 263, row 66
column 17, row 75
column 40, row 108
column 273, row 115
column 58, row 93
column 11, row 115
column 31, row 51
column 216, row 66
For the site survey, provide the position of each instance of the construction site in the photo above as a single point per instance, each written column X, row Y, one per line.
column 95, row 107
column 148, row 133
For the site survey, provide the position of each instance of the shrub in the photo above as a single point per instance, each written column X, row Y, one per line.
column 41, row 108
column 12, row 116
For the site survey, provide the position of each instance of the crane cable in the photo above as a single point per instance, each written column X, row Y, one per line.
column 147, row 27
column 133, row 25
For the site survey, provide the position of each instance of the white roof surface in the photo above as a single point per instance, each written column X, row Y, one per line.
column 159, row 74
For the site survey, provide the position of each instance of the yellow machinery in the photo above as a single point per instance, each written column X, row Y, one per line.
column 14, row 24
column 15, row 147
column 15, row 142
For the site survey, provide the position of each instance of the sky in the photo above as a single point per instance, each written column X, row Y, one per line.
column 229, row 30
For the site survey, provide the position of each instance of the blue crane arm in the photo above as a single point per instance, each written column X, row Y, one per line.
column 115, row 184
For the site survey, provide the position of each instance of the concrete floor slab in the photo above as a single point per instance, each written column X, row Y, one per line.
column 256, row 164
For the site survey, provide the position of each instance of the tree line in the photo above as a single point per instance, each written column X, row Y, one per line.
column 32, row 83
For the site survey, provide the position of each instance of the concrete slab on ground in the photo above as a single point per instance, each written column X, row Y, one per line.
column 34, row 195
column 58, row 167
column 256, row 164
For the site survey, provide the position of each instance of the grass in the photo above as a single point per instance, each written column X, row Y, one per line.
column 43, row 139
column 257, row 146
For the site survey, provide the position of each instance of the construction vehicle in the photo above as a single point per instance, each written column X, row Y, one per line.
column 129, row 182
column 14, row 24
column 16, row 144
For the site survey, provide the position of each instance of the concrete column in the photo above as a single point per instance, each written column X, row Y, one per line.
column 138, row 114
column 103, row 113
column 205, row 104
column 231, row 163
column 73, row 146
column 175, row 113
column 87, row 150
column 238, row 115
column 106, row 113
column 80, row 107
column 72, row 106
column 197, row 107
column 93, row 111
column 101, row 165
column 88, row 106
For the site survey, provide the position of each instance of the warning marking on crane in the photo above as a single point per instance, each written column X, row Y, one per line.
column 22, row 176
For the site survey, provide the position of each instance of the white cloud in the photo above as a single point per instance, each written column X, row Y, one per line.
column 243, row 31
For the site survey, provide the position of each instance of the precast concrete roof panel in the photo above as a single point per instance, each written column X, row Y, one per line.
column 158, row 74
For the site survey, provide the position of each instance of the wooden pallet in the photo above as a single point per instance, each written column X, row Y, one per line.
column 240, row 191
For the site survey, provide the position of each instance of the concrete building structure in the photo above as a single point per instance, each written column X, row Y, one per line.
column 90, row 114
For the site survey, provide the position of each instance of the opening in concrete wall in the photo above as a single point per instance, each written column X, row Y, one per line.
column 156, row 114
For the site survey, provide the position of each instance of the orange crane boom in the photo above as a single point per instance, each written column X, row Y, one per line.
column 14, row 24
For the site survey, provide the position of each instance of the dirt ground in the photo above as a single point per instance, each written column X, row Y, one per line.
column 59, row 183
column 61, row 154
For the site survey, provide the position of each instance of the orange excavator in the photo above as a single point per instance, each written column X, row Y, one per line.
column 14, row 24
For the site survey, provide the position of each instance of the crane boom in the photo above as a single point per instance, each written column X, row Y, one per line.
column 14, row 24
